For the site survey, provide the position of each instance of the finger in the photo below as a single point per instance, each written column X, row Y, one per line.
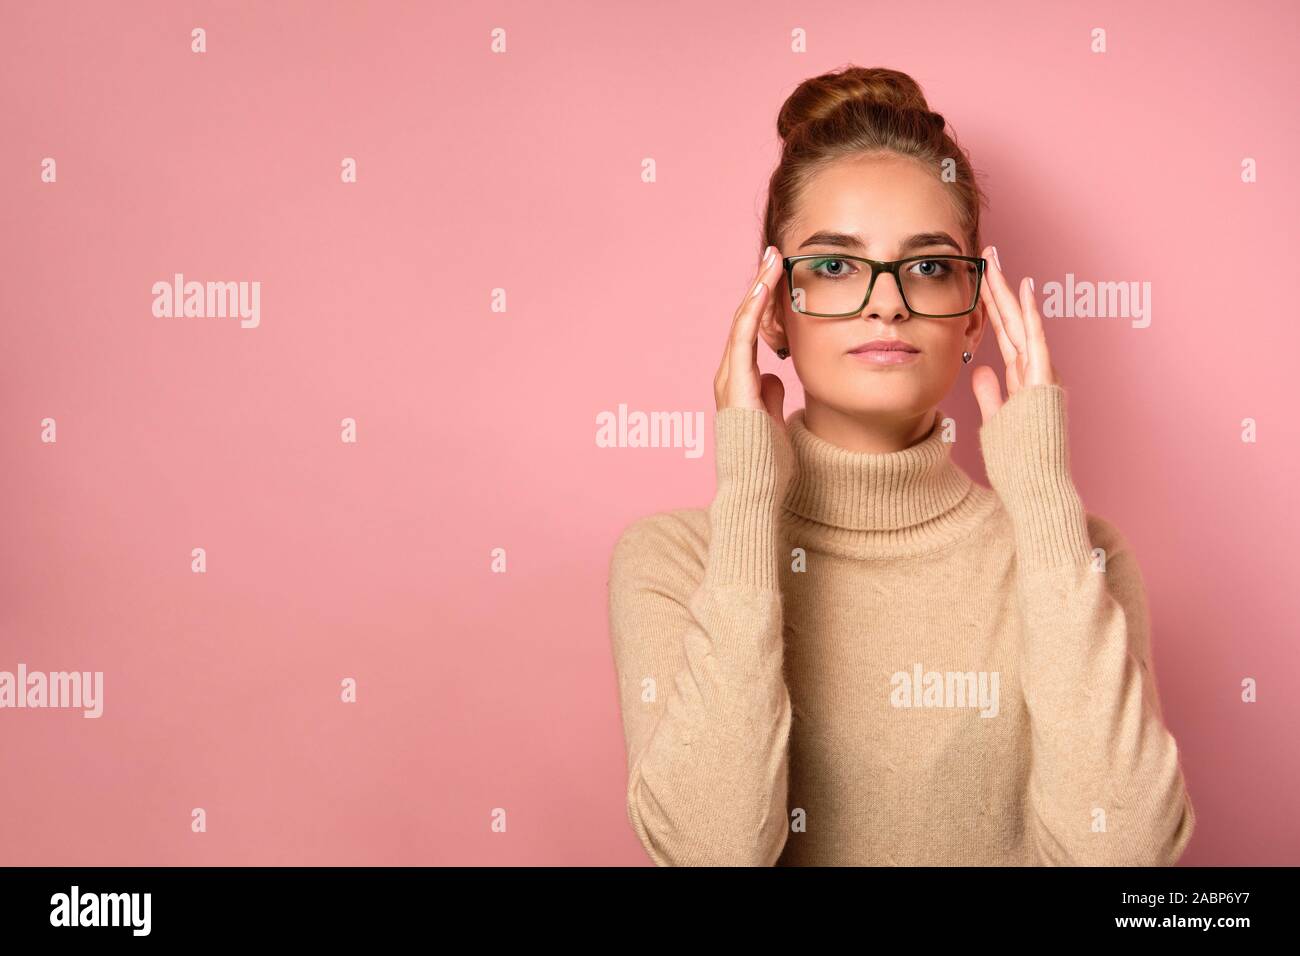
column 1039, row 361
column 988, row 393
column 1006, row 347
column 772, row 301
column 742, row 350
column 754, row 301
column 1011, row 341
column 771, row 317
column 1011, row 358
column 772, row 258
column 1008, row 307
column 736, row 334
column 744, row 337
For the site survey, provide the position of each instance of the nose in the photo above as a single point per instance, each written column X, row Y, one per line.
column 886, row 301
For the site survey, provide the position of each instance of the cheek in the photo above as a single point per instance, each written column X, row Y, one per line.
column 942, row 346
column 821, row 339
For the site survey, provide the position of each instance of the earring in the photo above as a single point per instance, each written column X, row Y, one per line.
column 783, row 353
column 966, row 357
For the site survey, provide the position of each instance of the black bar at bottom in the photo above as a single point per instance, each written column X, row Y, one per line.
column 208, row 905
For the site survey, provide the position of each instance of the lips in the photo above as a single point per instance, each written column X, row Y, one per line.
column 884, row 345
column 886, row 353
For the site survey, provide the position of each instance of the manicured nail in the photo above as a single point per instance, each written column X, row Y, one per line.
column 757, row 288
column 997, row 258
column 1031, row 284
column 767, row 257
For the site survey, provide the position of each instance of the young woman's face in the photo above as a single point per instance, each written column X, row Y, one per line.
column 875, row 207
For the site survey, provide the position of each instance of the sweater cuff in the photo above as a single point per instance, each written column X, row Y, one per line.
column 754, row 470
column 1027, row 459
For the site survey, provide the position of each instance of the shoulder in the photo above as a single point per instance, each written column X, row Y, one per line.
column 1113, row 554
column 667, row 548
column 1125, row 583
column 656, row 566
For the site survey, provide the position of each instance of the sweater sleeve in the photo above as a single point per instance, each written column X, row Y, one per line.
column 1105, row 786
column 698, row 647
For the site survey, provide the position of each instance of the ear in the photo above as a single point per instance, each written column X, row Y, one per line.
column 976, row 324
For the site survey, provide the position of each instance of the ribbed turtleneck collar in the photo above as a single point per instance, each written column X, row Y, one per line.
column 882, row 504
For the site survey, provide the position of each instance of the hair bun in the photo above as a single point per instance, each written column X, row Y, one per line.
column 821, row 96
column 854, row 113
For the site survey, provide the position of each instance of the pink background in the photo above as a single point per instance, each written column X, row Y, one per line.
column 476, row 429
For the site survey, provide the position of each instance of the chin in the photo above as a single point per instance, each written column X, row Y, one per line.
column 888, row 394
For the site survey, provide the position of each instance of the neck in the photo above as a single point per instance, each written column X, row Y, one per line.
column 880, row 504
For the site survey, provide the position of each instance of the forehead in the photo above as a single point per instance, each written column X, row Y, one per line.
column 884, row 199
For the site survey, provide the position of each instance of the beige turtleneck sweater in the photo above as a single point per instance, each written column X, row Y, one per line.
column 855, row 658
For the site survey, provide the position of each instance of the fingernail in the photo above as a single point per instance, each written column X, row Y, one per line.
column 767, row 257
column 757, row 289
column 1031, row 284
column 996, row 257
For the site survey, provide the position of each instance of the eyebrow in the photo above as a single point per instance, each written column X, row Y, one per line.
column 849, row 240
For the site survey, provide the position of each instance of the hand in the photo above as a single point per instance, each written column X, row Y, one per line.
column 1019, row 330
column 738, row 383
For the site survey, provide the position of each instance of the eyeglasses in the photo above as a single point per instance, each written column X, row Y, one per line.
column 939, row 287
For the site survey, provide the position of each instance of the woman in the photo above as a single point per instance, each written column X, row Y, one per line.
column 856, row 654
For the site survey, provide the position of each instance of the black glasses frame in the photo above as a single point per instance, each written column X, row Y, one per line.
column 892, row 266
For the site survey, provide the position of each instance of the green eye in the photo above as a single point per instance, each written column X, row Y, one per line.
column 824, row 268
